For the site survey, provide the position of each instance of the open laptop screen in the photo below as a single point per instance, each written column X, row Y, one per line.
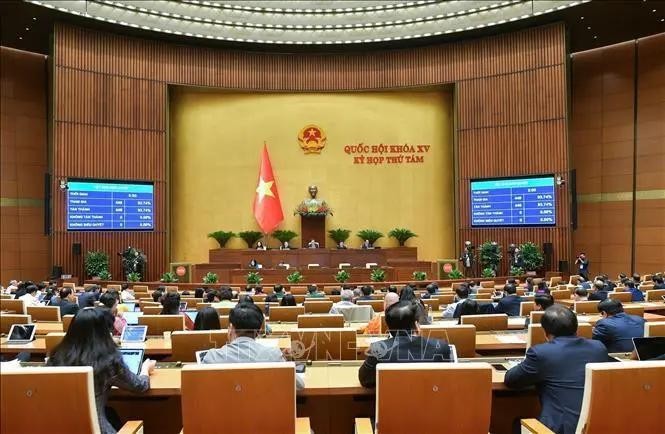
column 134, row 333
column 21, row 333
column 132, row 318
column 133, row 358
column 652, row 348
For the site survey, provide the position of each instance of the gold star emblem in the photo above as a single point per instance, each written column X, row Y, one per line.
column 264, row 189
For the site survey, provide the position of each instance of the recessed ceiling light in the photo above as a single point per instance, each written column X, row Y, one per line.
column 588, row 28
column 20, row 37
column 595, row 37
column 34, row 18
column 27, row 28
column 581, row 18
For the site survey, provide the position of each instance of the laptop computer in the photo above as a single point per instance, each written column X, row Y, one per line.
column 133, row 358
column 132, row 318
column 200, row 355
column 131, row 305
column 652, row 348
column 183, row 306
column 21, row 333
column 453, row 353
column 192, row 314
column 133, row 334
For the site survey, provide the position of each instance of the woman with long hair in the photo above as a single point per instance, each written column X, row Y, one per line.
column 88, row 342
column 207, row 319
column 408, row 294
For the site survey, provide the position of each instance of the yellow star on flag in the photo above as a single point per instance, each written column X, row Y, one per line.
column 264, row 189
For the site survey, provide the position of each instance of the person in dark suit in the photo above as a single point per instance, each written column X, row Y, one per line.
column 617, row 329
column 583, row 263
column 636, row 294
column 557, row 369
column 600, row 292
column 510, row 303
column 658, row 282
column 90, row 296
column 403, row 346
column 68, row 305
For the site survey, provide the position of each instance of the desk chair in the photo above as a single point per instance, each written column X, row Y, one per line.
column 589, row 306
column 623, row 296
column 13, row 306
column 526, row 307
column 655, row 328
column 536, row 316
column 329, row 289
column 636, row 388
column 444, row 298
column 536, row 334
column 560, row 294
column 323, row 344
column 171, row 288
column 243, row 385
column 44, row 313
column 224, row 321
column 443, row 391
column 646, row 287
column 113, row 287
column 315, row 306
column 143, row 303
column 335, row 298
column 224, row 310
column 325, row 320
column 201, row 306
column 184, row 344
column 462, row 336
column 433, row 302
column 574, row 279
column 554, row 280
column 66, row 322
column 39, row 389
column 140, row 288
column 487, row 296
column 633, row 309
column 357, row 313
column 285, row 313
column 158, row 324
column 7, row 320
column 69, row 285
column 489, row 322
column 377, row 305
column 52, row 340
column 298, row 290
column 654, row 294
column 152, row 310
column 487, row 284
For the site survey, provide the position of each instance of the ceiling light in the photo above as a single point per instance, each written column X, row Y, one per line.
column 595, row 37
column 581, row 18
column 20, row 37
column 27, row 29
column 34, row 18
column 588, row 28
column 653, row 10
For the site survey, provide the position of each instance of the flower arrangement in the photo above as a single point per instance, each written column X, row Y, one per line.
column 342, row 276
column 210, row 278
column 169, row 277
column 419, row 275
column 253, row 278
column 133, row 277
column 377, row 275
column 455, row 274
column 295, row 277
column 313, row 209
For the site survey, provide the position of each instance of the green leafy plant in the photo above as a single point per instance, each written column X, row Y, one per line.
column 169, row 277
column 210, row 278
column 222, row 237
column 253, row 278
column 133, row 261
column 532, row 257
column 284, row 236
column 516, row 271
column 295, row 277
column 339, row 235
column 133, row 277
column 488, row 272
column 377, row 275
column 402, row 235
column 370, row 235
column 342, row 276
column 250, row 237
column 104, row 275
column 419, row 276
column 95, row 262
column 490, row 255
column 455, row 274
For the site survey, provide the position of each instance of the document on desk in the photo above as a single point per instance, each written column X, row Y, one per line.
column 511, row 339
column 269, row 342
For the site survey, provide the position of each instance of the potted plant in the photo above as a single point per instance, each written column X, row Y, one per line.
column 377, row 275
column 342, row 276
column 370, row 235
column 532, row 257
column 490, row 255
column 339, row 235
column 419, row 275
column 402, row 235
column 516, row 271
column 250, row 237
column 95, row 262
column 169, row 277
column 488, row 273
column 253, row 278
column 295, row 277
column 455, row 274
column 133, row 277
column 284, row 236
column 222, row 237
column 104, row 275
column 133, row 261
column 210, row 278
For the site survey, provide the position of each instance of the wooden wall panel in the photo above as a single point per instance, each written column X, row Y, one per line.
column 111, row 92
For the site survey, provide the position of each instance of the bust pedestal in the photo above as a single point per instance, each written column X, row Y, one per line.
column 313, row 227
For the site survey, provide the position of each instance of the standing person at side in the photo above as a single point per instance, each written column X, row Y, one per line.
column 582, row 263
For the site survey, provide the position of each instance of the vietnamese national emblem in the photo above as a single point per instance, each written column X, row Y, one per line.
column 312, row 139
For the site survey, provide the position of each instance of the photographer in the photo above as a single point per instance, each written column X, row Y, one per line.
column 583, row 263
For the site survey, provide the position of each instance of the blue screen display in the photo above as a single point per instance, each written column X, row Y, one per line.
column 108, row 206
column 513, row 202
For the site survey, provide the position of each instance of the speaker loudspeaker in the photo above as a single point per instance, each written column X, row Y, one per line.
column 76, row 249
column 548, row 252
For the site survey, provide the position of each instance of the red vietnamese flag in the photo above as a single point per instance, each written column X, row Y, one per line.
column 267, row 206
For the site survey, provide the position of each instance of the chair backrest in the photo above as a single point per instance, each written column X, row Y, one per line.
column 243, row 385
column 356, row 313
column 444, row 298
column 67, row 321
column 377, row 305
column 52, row 340
column 526, row 307
column 487, row 284
column 655, row 328
column 484, row 296
column 636, row 388
column 554, row 281
column 201, row 306
column 486, row 289
column 536, row 316
column 299, row 290
column 536, row 333
column 574, row 279
column 44, row 313
column 634, row 309
column 151, row 310
column 69, row 285
column 184, row 344
column 158, row 324
column 286, row 313
column 224, row 310
column 462, row 336
column 560, row 294
column 140, row 288
column 13, row 306
column 623, row 297
column 443, row 392
column 144, row 303
column 646, row 287
column 433, row 302
column 7, row 320
column 654, row 294
column 323, row 344
column 114, row 287
column 324, row 320
column 38, row 389
column 487, row 322
column 224, row 321
column 315, row 306
column 589, row 306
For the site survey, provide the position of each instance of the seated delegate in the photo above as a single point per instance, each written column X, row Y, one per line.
column 617, row 329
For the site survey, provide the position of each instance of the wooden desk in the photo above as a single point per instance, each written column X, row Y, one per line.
column 649, row 306
column 44, row 328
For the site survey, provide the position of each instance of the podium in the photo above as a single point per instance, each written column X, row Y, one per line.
column 313, row 227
